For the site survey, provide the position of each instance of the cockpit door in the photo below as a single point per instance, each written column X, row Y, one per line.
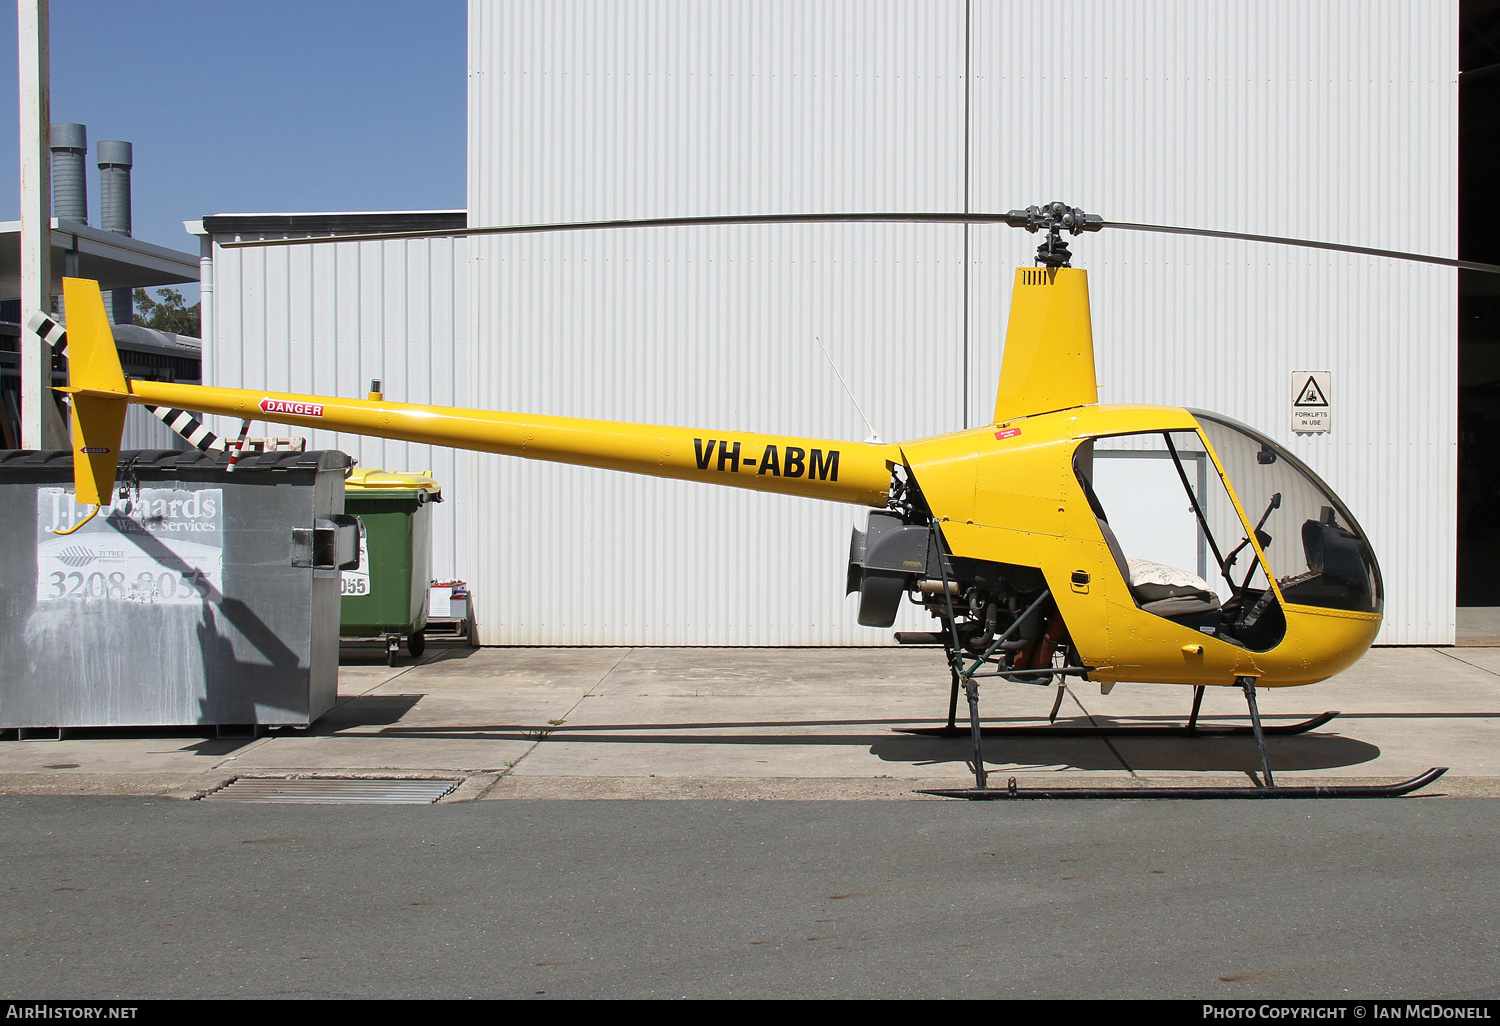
column 1178, row 538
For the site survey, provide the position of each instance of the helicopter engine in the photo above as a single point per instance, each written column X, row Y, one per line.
column 976, row 601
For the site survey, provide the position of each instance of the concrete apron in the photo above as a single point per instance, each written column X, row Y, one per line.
column 791, row 723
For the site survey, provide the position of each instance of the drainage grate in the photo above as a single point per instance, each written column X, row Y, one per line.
column 333, row 791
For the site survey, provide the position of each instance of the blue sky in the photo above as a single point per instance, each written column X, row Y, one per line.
column 240, row 107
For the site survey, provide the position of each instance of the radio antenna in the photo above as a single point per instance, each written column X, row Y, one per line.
column 874, row 435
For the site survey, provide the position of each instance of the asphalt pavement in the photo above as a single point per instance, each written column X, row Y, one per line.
column 679, row 823
column 143, row 897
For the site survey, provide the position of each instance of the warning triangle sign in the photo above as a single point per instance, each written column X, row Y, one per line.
column 1310, row 395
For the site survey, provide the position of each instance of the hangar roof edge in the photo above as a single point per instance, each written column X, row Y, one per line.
column 341, row 223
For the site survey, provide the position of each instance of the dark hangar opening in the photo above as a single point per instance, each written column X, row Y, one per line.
column 1479, row 304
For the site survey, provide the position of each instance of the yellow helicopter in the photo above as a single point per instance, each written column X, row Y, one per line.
column 997, row 531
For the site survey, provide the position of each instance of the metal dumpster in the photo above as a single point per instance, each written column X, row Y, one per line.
column 387, row 597
column 199, row 596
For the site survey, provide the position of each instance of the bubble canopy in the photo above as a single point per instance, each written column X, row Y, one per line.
column 1314, row 547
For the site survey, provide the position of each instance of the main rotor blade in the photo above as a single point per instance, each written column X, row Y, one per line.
column 648, row 222
column 1337, row 247
column 1015, row 219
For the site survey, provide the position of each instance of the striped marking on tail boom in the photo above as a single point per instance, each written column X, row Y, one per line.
column 187, row 426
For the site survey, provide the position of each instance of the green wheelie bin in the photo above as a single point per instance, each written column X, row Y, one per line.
column 386, row 597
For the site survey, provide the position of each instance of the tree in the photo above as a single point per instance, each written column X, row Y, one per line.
column 167, row 313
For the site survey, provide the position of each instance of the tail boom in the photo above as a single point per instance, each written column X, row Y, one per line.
column 852, row 472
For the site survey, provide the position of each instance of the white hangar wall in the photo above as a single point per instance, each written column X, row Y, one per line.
column 1326, row 120
column 326, row 318
column 1334, row 121
column 586, row 110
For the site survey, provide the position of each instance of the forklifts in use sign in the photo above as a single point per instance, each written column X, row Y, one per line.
column 1311, row 410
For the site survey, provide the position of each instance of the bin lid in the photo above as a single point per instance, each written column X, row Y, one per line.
column 371, row 480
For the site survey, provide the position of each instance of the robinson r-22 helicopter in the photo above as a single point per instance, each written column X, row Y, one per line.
column 997, row 531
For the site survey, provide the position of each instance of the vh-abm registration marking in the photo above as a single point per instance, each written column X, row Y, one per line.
column 778, row 461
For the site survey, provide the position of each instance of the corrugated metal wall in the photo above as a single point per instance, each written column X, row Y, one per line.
column 327, row 318
column 582, row 110
column 1331, row 120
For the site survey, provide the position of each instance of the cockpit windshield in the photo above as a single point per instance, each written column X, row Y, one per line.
column 1316, row 551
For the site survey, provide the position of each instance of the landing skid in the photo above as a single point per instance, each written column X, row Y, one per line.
column 1143, row 730
column 981, row 791
column 989, row 794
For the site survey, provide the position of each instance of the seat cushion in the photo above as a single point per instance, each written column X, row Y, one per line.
column 1184, row 606
column 1152, row 583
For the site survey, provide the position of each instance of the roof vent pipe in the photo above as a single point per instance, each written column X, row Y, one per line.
column 70, row 199
column 115, row 160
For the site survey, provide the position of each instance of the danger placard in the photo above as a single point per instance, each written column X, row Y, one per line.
column 269, row 405
column 1312, row 407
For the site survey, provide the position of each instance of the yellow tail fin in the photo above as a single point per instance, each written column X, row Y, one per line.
column 1048, row 363
column 97, row 385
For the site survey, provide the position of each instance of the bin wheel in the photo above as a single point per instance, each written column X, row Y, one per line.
column 392, row 649
column 416, row 644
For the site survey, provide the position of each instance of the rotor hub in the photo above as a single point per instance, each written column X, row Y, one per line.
column 1054, row 219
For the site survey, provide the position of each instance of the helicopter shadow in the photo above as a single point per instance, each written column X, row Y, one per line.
column 1187, row 754
column 1225, row 754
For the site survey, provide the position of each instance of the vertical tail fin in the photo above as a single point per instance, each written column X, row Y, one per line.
column 97, row 385
column 1048, row 363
